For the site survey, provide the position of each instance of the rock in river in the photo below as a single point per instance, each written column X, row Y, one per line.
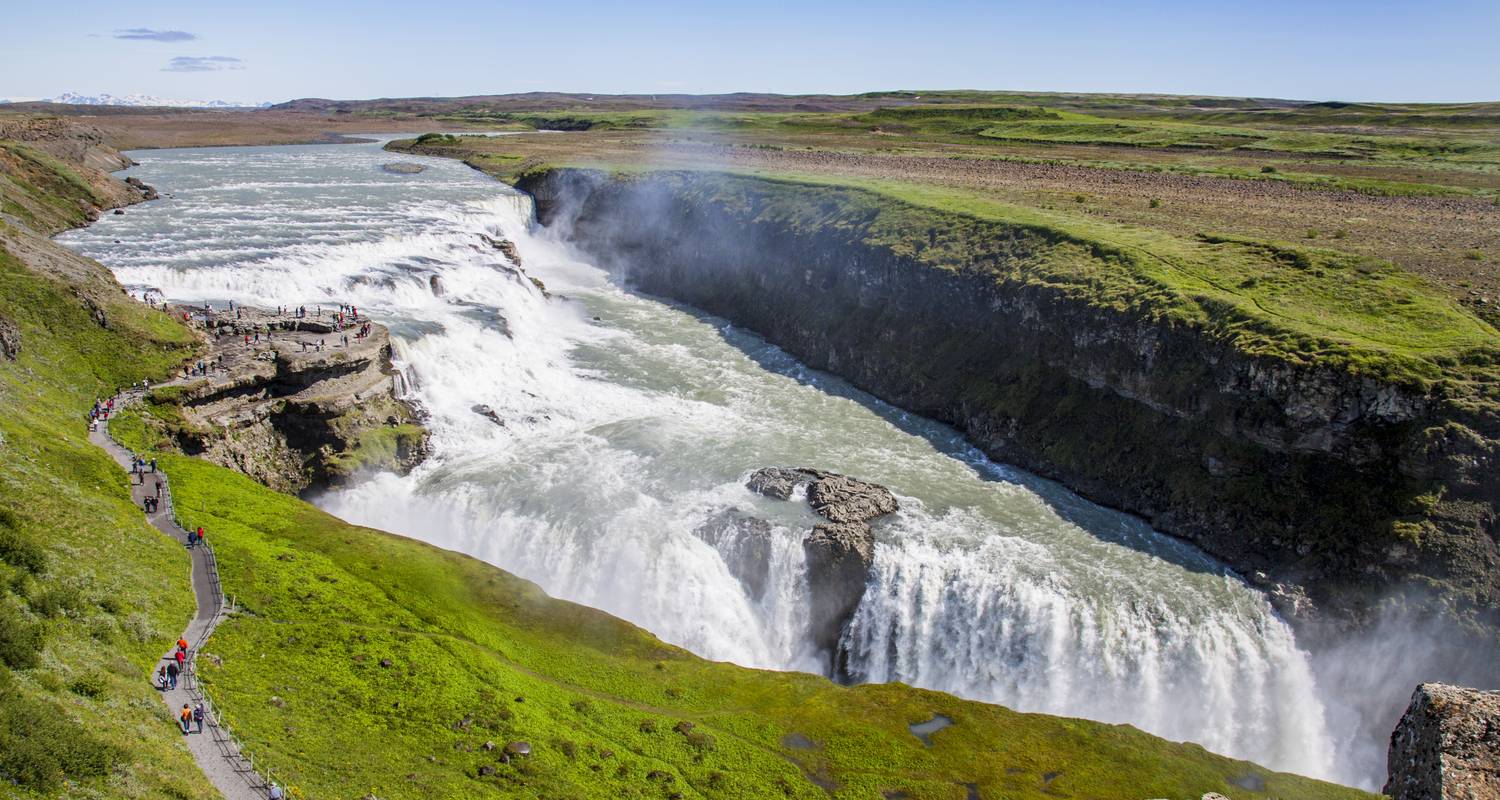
column 839, row 552
column 1447, row 746
column 844, row 499
column 402, row 168
column 779, row 482
column 839, row 555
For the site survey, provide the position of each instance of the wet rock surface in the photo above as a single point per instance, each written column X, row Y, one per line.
column 839, row 555
column 403, row 168
column 744, row 543
column 839, row 552
column 1447, row 746
column 779, row 482
column 488, row 413
column 148, row 192
column 506, row 247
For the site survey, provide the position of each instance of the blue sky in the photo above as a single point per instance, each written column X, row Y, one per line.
column 1446, row 50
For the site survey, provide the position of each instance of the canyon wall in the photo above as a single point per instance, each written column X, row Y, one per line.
column 1331, row 487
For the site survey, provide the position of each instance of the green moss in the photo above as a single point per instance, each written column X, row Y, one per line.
column 377, row 447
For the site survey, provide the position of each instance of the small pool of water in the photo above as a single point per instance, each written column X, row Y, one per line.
column 925, row 730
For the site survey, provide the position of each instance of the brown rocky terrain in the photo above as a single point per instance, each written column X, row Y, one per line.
column 1447, row 746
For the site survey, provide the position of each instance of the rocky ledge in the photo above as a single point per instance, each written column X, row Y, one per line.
column 1447, row 746
column 839, row 551
column 287, row 402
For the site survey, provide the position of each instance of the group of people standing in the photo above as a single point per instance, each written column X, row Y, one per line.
column 166, row 680
column 138, row 469
column 100, row 411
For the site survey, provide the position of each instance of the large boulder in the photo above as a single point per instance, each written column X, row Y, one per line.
column 147, row 191
column 844, row 499
column 779, row 482
column 1447, row 746
column 839, row 555
column 840, row 551
column 744, row 542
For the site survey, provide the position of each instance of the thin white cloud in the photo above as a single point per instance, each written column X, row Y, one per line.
column 203, row 64
column 153, row 35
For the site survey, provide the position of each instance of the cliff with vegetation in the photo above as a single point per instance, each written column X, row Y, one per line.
column 287, row 402
column 1325, row 423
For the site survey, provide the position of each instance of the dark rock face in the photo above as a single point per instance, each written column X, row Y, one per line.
column 744, row 542
column 436, row 284
column 839, row 555
column 840, row 551
column 10, row 339
column 1321, row 478
column 1447, row 746
column 506, row 247
column 488, row 413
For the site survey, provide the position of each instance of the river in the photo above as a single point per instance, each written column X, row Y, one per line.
column 628, row 422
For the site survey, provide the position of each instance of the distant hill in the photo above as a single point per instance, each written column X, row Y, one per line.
column 142, row 101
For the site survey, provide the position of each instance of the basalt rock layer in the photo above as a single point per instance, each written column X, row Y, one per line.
column 1304, row 472
column 286, row 402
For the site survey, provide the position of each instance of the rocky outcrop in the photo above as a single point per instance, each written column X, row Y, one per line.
column 847, row 500
column 403, row 168
column 1447, row 746
column 839, row 555
column 839, row 552
column 506, row 247
column 148, row 192
column 779, row 482
column 10, row 339
column 1341, row 487
column 292, row 407
column 47, row 200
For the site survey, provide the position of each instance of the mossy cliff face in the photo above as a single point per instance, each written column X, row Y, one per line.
column 1311, row 474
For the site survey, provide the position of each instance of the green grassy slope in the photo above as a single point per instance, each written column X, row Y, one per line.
column 363, row 661
column 90, row 595
column 40, row 191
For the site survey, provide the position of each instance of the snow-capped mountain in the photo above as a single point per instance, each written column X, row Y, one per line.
column 74, row 98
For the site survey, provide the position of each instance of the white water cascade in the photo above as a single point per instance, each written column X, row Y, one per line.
column 627, row 423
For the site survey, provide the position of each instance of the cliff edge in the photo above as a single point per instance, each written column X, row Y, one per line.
column 1336, row 449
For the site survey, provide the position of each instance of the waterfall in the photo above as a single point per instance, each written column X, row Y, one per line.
column 619, row 433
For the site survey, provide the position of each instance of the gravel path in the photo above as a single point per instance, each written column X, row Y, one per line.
column 215, row 751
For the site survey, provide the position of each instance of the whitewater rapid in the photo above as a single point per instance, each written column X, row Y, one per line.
column 628, row 423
